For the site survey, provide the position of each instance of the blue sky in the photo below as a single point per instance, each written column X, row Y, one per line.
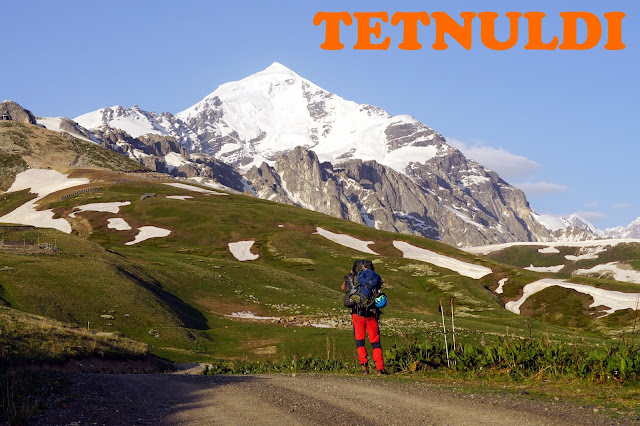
column 562, row 125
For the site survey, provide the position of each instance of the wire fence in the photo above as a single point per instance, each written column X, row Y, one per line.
column 82, row 191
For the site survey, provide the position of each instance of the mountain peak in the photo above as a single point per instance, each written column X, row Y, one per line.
column 278, row 67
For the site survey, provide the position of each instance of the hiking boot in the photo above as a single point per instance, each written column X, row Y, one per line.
column 365, row 368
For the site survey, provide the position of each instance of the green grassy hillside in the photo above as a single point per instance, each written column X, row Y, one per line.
column 567, row 307
column 177, row 293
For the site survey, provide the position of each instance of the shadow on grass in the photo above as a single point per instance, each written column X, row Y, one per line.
column 187, row 314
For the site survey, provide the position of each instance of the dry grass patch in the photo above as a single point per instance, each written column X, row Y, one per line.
column 31, row 338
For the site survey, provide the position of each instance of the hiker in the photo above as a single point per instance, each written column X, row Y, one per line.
column 365, row 310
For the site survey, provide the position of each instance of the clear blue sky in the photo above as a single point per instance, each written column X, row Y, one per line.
column 560, row 124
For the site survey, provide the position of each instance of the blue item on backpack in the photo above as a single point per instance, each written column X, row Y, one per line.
column 381, row 301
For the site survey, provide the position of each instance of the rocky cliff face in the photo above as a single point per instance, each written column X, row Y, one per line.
column 16, row 113
column 431, row 204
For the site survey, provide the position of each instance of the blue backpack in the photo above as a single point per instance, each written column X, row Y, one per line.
column 368, row 282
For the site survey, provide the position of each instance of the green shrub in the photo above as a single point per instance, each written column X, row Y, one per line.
column 521, row 358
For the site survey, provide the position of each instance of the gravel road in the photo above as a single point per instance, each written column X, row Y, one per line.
column 178, row 399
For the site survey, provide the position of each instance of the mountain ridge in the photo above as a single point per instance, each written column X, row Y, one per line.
column 265, row 116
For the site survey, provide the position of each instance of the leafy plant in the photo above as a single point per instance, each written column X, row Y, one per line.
column 521, row 358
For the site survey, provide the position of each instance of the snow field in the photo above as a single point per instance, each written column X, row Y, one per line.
column 128, row 119
column 193, row 188
column 179, row 197
column 410, row 252
column 591, row 243
column 118, row 224
column 147, row 232
column 41, row 182
column 356, row 129
column 100, row 207
column 241, row 250
column 220, row 187
column 614, row 300
column 175, row 160
column 54, row 123
column 548, row 250
column 554, row 269
column 614, row 268
column 586, row 253
column 501, row 284
column 463, row 268
column 44, row 182
column 347, row 241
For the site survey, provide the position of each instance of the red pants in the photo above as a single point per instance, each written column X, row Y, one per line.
column 361, row 326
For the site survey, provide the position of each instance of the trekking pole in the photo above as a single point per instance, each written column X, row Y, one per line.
column 444, row 331
column 453, row 327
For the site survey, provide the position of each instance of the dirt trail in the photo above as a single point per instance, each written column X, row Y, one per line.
column 172, row 399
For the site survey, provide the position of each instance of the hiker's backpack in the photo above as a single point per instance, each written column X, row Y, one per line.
column 350, row 282
column 365, row 288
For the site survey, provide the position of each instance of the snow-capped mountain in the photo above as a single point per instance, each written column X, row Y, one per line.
column 271, row 112
column 572, row 228
column 395, row 172
column 134, row 121
column 155, row 150
column 630, row 231
column 300, row 144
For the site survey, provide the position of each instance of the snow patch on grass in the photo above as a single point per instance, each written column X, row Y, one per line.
column 614, row 300
column 179, row 197
column 618, row 271
column 501, row 284
column 241, row 250
column 147, row 232
column 463, row 268
column 118, row 224
column 586, row 253
column 193, row 188
column 42, row 183
column 591, row 243
column 548, row 250
column 347, row 241
column 554, row 269
column 100, row 207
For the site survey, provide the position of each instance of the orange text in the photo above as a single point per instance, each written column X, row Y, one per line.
column 370, row 30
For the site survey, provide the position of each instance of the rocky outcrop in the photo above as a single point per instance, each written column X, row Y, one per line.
column 14, row 112
column 214, row 171
column 480, row 195
column 376, row 195
column 74, row 128
column 630, row 231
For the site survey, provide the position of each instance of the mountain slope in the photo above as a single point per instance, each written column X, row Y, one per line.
column 263, row 118
column 194, row 299
column 630, row 231
column 378, row 196
column 572, row 228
